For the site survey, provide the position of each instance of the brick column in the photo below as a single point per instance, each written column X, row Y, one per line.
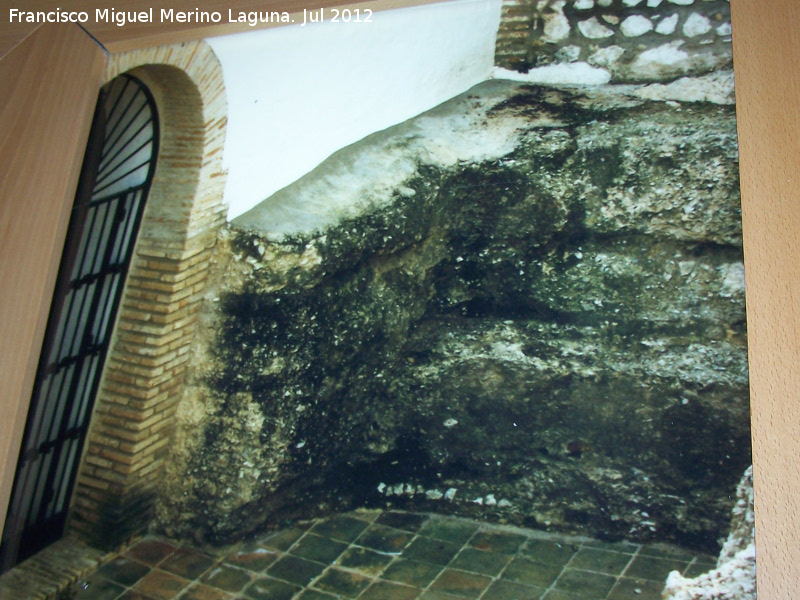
column 134, row 410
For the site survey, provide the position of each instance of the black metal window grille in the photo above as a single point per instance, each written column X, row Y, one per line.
column 117, row 172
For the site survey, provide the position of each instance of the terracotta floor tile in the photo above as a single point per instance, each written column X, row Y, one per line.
column 225, row 577
column 187, row 563
column 161, row 585
column 252, row 557
column 150, row 552
column 124, row 570
column 98, row 588
column 134, row 595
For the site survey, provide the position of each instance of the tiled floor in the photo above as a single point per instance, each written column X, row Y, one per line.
column 392, row 556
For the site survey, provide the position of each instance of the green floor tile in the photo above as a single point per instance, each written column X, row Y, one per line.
column 312, row 594
column 282, row 540
column 562, row 595
column 600, row 561
column 636, row 589
column 479, row 561
column 522, row 570
column 456, row 532
column 461, row 583
column 666, row 551
column 295, row 570
column 383, row 590
column 271, row 589
column 700, row 565
column 401, row 520
column 429, row 550
column 343, row 528
column 497, row 541
column 318, row 548
column 509, row 590
column 655, row 569
column 411, row 572
column 200, row 591
column 624, row 547
column 548, row 552
column 364, row 560
column 585, row 583
column 438, row 595
column 342, row 583
column 384, row 539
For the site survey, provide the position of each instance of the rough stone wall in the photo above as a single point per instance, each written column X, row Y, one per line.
column 526, row 305
column 631, row 40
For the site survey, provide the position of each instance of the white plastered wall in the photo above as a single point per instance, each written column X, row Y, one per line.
column 296, row 94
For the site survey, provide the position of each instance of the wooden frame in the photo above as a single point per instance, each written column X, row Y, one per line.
column 50, row 76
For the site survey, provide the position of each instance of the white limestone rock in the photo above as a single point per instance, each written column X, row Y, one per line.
column 724, row 29
column 594, row 29
column 653, row 3
column 662, row 61
column 606, row 57
column 682, row 2
column 636, row 25
column 583, row 4
column 667, row 26
column 576, row 73
column 556, row 27
column 569, row 53
column 696, row 24
column 735, row 575
column 716, row 88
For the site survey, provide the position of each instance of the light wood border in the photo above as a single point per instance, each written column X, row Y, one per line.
column 766, row 44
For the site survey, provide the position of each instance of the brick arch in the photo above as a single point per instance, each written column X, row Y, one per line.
column 123, row 458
